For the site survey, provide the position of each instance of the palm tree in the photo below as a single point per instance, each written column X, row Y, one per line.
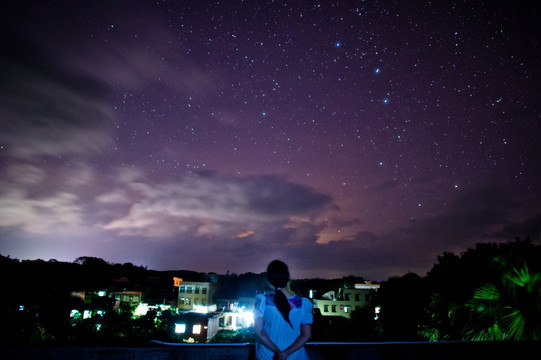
column 511, row 311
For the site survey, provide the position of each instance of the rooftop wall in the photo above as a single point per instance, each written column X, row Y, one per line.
column 317, row 351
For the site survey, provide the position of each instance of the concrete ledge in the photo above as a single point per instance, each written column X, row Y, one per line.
column 317, row 351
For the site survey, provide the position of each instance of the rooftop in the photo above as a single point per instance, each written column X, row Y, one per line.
column 317, row 351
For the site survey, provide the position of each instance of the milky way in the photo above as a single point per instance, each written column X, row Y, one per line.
column 356, row 137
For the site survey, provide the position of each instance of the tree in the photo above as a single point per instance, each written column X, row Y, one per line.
column 402, row 301
column 510, row 310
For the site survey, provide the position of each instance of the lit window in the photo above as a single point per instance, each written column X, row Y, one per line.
column 197, row 329
column 180, row 328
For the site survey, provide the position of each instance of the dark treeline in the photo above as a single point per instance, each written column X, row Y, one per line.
column 489, row 292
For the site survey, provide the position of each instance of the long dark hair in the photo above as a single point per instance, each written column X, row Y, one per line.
column 278, row 276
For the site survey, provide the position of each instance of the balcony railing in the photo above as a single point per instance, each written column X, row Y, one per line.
column 316, row 351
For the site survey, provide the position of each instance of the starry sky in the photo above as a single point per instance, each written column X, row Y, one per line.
column 344, row 137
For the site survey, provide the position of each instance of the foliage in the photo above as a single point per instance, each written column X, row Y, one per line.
column 402, row 301
column 470, row 291
column 509, row 311
column 243, row 335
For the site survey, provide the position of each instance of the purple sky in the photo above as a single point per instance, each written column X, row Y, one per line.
column 346, row 138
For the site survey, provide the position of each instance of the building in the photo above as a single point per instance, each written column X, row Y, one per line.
column 347, row 300
column 236, row 313
column 197, row 296
column 127, row 299
column 197, row 327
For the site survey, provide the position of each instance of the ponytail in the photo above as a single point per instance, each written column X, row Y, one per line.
column 278, row 276
column 282, row 304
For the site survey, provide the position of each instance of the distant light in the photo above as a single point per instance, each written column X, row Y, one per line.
column 377, row 71
column 338, row 44
column 180, row 328
column 197, row 329
column 141, row 309
column 248, row 318
column 102, row 293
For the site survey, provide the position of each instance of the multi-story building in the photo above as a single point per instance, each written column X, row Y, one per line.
column 197, row 296
column 127, row 298
column 347, row 300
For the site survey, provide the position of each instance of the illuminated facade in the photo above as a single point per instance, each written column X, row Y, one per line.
column 197, row 296
column 127, row 298
column 347, row 301
column 196, row 327
column 237, row 313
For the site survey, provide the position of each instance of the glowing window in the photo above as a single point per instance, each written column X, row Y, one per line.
column 197, row 329
column 180, row 328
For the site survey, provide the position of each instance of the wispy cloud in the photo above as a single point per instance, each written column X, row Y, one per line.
column 216, row 206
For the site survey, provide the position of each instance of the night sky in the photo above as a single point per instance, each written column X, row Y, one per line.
column 346, row 138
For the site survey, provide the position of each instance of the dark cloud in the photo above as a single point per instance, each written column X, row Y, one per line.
column 275, row 195
column 222, row 205
column 48, row 111
column 528, row 228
